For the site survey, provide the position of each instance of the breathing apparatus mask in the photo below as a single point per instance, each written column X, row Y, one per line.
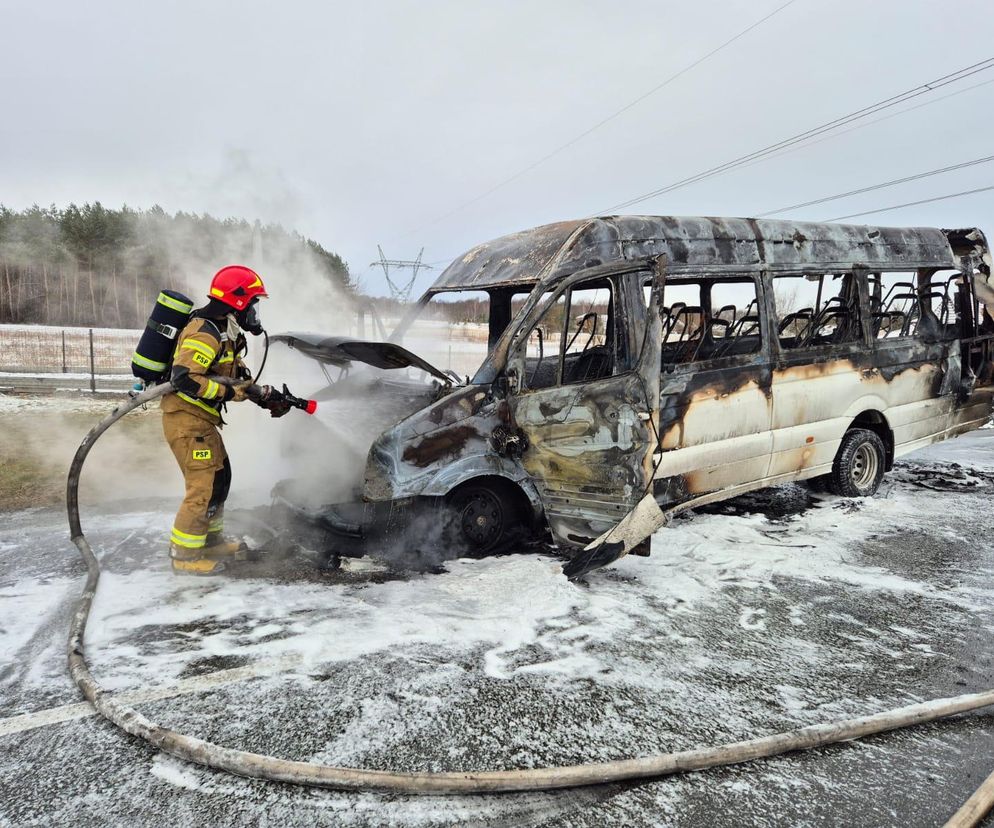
column 248, row 318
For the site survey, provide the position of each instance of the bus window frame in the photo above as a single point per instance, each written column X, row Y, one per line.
column 819, row 353
column 628, row 323
column 763, row 355
column 923, row 281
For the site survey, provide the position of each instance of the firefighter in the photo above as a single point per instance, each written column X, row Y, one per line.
column 211, row 344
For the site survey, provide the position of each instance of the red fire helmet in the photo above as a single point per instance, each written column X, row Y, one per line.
column 236, row 285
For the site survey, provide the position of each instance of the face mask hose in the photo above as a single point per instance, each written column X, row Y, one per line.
column 265, row 355
column 244, row 763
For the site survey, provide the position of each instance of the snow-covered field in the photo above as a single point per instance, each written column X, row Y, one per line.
column 774, row 610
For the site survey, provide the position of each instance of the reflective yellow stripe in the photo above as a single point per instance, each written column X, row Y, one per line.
column 187, row 541
column 151, row 364
column 216, row 526
column 175, row 304
column 193, row 345
column 187, row 535
column 198, row 403
column 213, row 389
column 226, row 358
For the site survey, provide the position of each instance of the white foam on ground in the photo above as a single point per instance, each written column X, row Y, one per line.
column 24, row 602
column 637, row 626
column 508, row 605
column 498, row 603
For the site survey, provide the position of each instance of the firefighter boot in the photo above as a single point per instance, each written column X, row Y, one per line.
column 192, row 562
column 221, row 548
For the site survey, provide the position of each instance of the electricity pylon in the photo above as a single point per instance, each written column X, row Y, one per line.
column 400, row 292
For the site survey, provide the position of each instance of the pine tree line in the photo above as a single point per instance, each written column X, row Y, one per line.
column 92, row 266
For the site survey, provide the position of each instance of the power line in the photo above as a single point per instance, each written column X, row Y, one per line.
column 887, row 103
column 908, row 203
column 576, row 139
column 448, row 260
column 829, row 137
column 864, row 124
column 832, row 136
column 913, row 203
column 871, row 188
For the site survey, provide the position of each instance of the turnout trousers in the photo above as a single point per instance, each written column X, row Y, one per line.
column 197, row 446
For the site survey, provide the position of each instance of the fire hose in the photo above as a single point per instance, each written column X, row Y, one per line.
column 244, row 763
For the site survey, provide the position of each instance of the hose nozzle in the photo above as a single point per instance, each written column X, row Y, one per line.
column 310, row 406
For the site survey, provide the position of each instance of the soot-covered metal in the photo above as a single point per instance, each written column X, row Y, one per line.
column 648, row 420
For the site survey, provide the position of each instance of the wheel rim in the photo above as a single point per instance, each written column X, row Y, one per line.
column 864, row 466
column 482, row 520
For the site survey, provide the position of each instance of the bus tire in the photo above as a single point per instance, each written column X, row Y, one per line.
column 859, row 464
column 484, row 519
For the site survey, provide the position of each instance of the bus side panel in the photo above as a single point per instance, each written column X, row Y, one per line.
column 714, row 430
column 921, row 424
column 812, row 402
column 925, row 403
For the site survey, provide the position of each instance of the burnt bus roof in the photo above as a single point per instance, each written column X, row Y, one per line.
column 693, row 245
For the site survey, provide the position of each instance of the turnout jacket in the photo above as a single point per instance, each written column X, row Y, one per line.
column 203, row 347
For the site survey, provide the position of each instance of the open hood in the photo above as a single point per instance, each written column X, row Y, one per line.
column 342, row 350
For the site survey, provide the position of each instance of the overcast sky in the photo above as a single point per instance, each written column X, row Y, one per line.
column 376, row 122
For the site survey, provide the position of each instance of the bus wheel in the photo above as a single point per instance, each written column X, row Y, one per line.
column 859, row 464
column 485, row 518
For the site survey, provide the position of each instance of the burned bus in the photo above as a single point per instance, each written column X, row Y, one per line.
column 631, row 367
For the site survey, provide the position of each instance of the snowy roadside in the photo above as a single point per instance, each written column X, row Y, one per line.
column 62, row 404
column 518, row 603
column 771, row 611
column 40, row 434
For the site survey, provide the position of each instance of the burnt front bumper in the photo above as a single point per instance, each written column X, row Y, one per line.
column 349, row 530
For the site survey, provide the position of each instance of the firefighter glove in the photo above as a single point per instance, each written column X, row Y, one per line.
column 238, row 392
column 265, row 396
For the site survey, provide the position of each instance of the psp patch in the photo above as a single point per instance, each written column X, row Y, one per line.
column 203, row 359
column 201, row 454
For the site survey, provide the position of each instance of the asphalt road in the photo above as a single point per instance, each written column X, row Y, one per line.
column 772, row 611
